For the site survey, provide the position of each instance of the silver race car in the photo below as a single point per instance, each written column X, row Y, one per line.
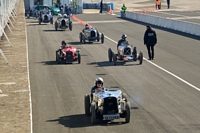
column 91, row 35
column 107, row 105
column 45, row 17
column 125, row 54
column 63, row 22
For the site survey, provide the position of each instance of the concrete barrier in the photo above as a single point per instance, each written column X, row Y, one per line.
column 96, row 5
column 186, row 27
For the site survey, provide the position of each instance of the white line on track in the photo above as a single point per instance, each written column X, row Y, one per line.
column 31, row 116
column 164, row 70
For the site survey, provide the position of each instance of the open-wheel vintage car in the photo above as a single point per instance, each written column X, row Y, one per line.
column 125, row 53
column 107, row 105
column 63, row 22
column 91, row 34
column 68, row 55
column 45, row 17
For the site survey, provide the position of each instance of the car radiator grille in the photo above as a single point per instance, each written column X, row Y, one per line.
column 92, row 34
column 45, row 17
column 110, row 105
column 127, row 51
column 69, row 57
column 63, row 23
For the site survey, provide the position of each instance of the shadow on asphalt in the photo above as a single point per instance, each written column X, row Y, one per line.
column 81, row 120
column 164, row 29
column 53, row 30
column 56, row 63
column 35, row 24
column 86, row 43
column 107, row 64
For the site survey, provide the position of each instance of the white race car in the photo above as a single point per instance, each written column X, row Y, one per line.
column 107, row 105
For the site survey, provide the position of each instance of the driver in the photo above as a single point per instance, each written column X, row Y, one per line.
column 65, row 16
column 63, row 45
column 98, row 85
column 87, row 26
column 124, row 36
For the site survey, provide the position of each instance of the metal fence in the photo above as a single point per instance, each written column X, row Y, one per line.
column 7, row 12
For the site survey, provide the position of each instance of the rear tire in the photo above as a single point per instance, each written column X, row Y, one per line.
column 81, row 37
column 140, row 58
column 110, row 55
column 56, row 26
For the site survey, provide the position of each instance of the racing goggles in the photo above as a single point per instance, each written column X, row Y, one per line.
column 99, row 82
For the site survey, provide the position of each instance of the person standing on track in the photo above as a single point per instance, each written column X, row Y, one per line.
column 101, row 6
column 168, row 4
column 150, row 40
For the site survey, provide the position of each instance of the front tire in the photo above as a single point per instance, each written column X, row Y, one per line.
column 93, row 113
column 79, row 58
column 70, row 26
column 110, row 55
column 128, row 112
column 87, row 105
column 102, row 38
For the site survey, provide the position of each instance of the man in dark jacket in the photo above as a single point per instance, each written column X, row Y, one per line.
column 168, row 4
column 150, row 40
column 101, row 6
column 68, row 10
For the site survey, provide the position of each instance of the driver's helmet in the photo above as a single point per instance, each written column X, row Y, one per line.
column 124, row 36
column 63, row 43
column 65, row 16
column 86, row 26
column 98, row 80
column 59, row 15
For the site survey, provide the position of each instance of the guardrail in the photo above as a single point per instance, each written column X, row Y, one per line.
column 186, row 27
column 7, row 11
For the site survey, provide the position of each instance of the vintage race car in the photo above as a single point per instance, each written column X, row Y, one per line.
column 107, row 105
column 91, row 35
column 63, row 22
column 69, row 54
column 125, row 53
column 45, row 18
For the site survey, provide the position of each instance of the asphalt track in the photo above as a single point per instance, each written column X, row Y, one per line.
column 162, row 100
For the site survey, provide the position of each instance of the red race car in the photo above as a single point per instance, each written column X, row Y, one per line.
column 68, row 54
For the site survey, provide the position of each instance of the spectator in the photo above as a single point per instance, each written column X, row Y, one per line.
column 75, row 8
column 150, row 40
column 158, row 4
column 123, row 10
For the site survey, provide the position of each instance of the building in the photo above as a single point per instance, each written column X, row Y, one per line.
column 31, row 3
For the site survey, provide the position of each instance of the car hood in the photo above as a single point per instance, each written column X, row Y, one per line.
column 56, row 9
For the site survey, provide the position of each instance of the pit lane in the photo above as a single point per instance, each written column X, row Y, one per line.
column 160, row 102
